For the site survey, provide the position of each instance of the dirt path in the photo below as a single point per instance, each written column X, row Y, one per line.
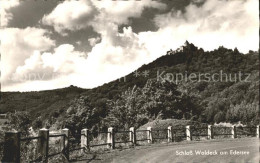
column 175, row 153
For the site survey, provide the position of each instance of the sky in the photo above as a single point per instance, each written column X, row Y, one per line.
column 86, row 43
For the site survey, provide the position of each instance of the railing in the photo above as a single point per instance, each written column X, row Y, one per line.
column 90, row 135
column 28, row 149
column 179, row 134
column 12, row 143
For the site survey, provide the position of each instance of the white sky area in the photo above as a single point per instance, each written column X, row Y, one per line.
column 29, row 64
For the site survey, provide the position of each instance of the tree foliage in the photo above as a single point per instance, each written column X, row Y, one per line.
column 20, row 121
column 157, row 99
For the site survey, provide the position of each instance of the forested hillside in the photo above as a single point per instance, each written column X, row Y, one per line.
column 152, row 92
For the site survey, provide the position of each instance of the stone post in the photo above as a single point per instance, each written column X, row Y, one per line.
column 233, row 132
column 210, row 132
column 149, row 135
column 111, row 138
column 43, row 144
column 132, row 135
column 188, row 133
column 84, row 140
column 11, row 151
column 65, row 143
column 170, row 136
column 257, row 131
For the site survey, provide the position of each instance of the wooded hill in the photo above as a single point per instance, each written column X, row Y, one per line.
column 142, row 96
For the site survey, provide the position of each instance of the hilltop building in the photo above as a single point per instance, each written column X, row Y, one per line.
column 186, row 47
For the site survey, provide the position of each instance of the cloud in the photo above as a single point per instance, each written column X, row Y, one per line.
column 116, row 55
column 93, row 41
column 76, row 15
column 17, row 45
column 112, row 51
column 48, row 70
column 107, row 61
column 118, row 12
column 6, row 16
column 70, row 15
column 46, row 66
column 229, row 23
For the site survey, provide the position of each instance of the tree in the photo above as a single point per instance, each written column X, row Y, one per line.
column 20, row 121
column 128, row 109
column 156, row 99
column 219, row 117
column 80, row 115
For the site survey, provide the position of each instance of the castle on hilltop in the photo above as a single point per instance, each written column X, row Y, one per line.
column 186, row 47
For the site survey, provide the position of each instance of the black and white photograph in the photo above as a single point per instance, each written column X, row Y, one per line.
column 129, row 81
